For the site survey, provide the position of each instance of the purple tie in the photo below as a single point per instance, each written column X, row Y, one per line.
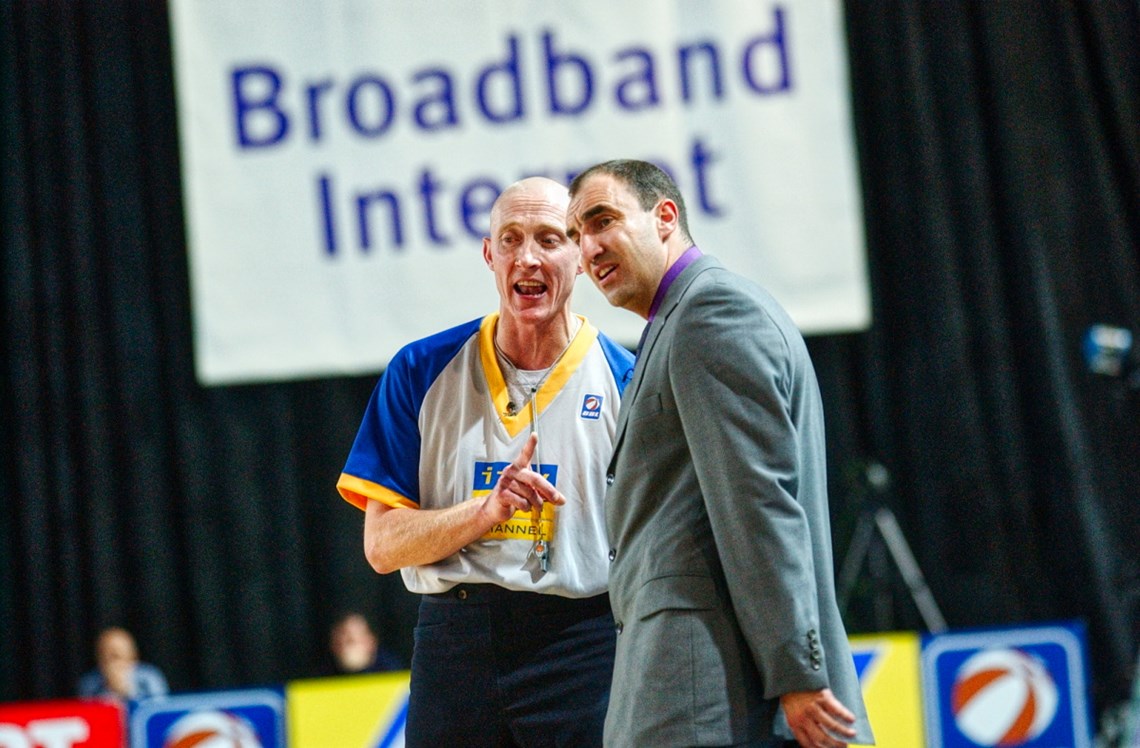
column 688, row 258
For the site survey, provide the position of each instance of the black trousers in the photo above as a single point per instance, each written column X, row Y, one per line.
column 495, row 668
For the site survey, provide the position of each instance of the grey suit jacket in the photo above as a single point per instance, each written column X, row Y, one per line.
column 721, row 579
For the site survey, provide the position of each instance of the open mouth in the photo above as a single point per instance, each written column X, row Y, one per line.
column 604, row 272
column 530, row 288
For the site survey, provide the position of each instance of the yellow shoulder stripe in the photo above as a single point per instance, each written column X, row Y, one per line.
column 565, row 367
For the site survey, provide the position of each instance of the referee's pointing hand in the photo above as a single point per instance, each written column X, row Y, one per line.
column 520, row 487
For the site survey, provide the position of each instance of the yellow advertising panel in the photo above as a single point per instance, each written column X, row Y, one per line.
column 888, row 667
column 369, row 710
column 353, row 710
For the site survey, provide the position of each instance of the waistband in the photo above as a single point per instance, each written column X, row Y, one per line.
column 486, row 594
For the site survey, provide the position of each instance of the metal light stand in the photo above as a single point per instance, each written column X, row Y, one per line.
column 1131, row 737
column 882, row 520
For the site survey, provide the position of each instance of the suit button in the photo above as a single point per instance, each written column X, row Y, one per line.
column 613, row 553
column 461, row 594
column 609, row 479
column 618, row 627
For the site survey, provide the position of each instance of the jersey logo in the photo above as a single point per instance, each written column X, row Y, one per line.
column 487, row 475
column 524, row 524
column 592, row 407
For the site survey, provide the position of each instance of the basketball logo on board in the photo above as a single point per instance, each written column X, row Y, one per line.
column 211, row 729
column 1003, row 697
column 252, row 718
column 1006, row 688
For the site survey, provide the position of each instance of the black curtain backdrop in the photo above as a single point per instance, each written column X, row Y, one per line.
column 999, row 147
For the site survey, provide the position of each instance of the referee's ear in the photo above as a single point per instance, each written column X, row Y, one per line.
column 487, row 252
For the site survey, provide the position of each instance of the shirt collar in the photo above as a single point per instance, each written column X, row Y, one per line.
column 688, row 258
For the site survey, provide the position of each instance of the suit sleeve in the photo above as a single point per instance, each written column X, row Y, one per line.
column 731, row 375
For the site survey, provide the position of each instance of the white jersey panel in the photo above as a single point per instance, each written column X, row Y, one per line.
column 468, row 437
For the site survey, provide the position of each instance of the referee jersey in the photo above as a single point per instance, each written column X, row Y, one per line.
column 438, row 431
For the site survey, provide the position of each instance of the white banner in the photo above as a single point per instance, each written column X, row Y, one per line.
column 340, row 157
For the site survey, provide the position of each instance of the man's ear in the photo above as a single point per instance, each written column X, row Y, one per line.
column 667, row 217
column 487, row 252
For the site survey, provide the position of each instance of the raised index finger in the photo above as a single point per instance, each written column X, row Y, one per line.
column 522, row 462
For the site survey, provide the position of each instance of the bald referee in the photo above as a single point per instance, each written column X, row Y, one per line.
column 480, row 465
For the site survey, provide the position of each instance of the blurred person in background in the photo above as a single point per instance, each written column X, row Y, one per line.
column 118, row 673
column 355, row 647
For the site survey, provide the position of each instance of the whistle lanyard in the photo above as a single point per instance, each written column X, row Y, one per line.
column 542, row 536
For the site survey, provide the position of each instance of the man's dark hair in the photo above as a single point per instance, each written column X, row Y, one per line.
column 648, row 181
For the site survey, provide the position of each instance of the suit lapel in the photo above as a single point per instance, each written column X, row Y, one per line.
column 672, row 297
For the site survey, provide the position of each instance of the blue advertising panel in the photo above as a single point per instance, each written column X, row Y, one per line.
column 1010, row 687
column 252, row 718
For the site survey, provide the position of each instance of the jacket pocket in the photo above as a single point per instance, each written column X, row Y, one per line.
column 675, row 592
column 645, row 406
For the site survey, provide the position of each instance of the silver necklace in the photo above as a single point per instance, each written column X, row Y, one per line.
column 523, row 384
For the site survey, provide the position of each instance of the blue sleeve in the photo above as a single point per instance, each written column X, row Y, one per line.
column 620, row 361
column 150, row 681
column 387, row 447
column 90, row 684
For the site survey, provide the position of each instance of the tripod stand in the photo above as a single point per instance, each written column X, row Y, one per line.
column 1132, row 719
column 863, row 549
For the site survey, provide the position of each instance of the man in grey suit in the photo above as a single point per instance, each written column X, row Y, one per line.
column 721, row 576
